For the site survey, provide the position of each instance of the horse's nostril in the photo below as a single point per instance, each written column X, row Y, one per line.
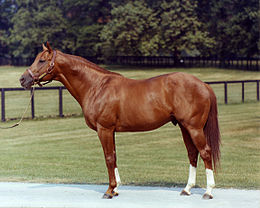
column 26, row 81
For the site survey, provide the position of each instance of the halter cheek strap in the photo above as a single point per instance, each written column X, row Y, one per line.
column 37, row 79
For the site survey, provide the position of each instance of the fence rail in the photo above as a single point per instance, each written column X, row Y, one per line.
column 3, row 90
column 225, row 83
column 61, row 88
column 252, row 64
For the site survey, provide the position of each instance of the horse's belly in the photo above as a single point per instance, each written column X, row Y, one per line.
column 141, row 124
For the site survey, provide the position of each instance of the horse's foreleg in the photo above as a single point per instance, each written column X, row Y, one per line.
column 193, row 157
column 118, row 180
column 106, row 137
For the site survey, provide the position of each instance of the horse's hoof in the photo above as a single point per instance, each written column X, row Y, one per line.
column 107, row 196
column 207, row 196
column 115, row 193
column 184, row 193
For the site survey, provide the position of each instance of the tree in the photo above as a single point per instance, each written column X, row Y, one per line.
column 7, row 9
column 36, row 22
column 131, row 31
column 234, row 24
column 85, row 21
column 137, row 29
column 181, row 31
column 122, row 27
column 71, row 25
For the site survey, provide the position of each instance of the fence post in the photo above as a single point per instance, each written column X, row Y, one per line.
column 60, row 102
column 243, row 91
column 226, row 96
column 32, row 104
column 257, row 90
column 3, row 104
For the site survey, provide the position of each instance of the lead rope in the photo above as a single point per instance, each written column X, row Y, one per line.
column 18, row 123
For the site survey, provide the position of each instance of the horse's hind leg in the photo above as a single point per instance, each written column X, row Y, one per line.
column 200, row 142
column 193, row 157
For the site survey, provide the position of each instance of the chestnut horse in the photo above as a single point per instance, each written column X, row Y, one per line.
column 113, row 103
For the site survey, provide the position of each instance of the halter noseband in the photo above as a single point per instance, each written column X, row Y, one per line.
column 37, row 79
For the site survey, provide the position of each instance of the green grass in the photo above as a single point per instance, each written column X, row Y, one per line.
column 66, row 151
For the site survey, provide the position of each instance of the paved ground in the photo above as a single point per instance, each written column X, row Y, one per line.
column 79, row 196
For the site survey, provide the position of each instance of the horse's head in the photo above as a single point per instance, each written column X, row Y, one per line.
column 42, row 69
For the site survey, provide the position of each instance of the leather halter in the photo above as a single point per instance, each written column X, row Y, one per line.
column 37, row 78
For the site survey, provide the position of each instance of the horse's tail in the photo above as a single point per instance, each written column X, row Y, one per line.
column 211, row 130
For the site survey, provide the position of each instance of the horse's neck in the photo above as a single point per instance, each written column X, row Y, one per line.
column 79, row 76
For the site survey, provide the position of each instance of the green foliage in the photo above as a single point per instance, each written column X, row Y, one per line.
column 120, row 27
column 71, row 26
column 234, row 24
column 180, row 29
column 35, row 25
column 85, row 20
column 137, row 29
column 6, row 12
column 132, row 31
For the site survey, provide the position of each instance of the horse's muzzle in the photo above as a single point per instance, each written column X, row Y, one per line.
column 26, row 81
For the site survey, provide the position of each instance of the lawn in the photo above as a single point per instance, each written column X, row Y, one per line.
column 66, row 151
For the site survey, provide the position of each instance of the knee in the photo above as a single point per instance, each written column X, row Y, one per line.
column 110, row 160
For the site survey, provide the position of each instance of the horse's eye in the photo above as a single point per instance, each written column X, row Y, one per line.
column 41, row 61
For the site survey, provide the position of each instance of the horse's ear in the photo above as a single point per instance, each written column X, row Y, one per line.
column 44, row 47
column 48, row 47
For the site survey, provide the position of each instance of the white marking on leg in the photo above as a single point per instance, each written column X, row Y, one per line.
column 191, row 180
column 118, row 181
column 210, row 182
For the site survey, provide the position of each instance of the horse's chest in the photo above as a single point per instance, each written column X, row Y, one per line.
column 90, row 115
column 90, row 122
column 100, row 113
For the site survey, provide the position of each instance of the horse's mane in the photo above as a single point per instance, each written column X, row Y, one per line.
column 84, row 63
